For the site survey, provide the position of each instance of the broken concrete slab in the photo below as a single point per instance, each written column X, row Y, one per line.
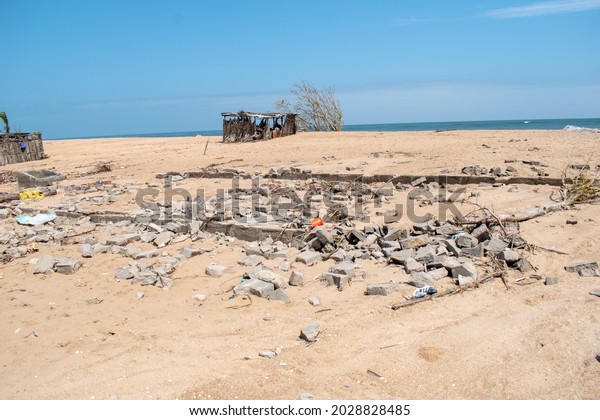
column 381, row 289
column 122, row 240
column 266, row 275
column 86, row 250
column 66, row 265
column 308, row 257
column 124, row 274
column 338, row 255
column 509, row 256
column 44, row 265
column 251, row 260
column 163, row 239
column 254, row 286
column 147, row 254
column 324, row 237
column 420, row 279
column 415, row 241
column 495, row 246
column 310, row 332
column 344, row 267
column 215, row 270
column 279, row 294
column 438, row 273
column 400, row 257
column 190, row 251
column 465, row 270
column 336, row 279
column 296, row 278
column 585, row 269
column 482, row 233
column 412, row 265
column 452, row 248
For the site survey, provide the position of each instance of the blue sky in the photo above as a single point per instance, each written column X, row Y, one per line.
column 85, row 68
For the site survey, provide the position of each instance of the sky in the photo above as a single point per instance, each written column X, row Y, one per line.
column 95, row 68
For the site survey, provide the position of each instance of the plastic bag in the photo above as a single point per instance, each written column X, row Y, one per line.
column 37, row 220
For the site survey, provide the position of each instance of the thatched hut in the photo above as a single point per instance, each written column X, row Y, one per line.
column 250, row 126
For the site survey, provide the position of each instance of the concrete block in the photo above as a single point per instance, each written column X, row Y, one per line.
column 251, row 260
column 509, row 256
column 308, row 257
column 44, row 265
column 412, row 265
column 310, row 332
column 163, row 239
column 66, row 265
column 86, row 250
column 382, row 289
column 325, row 237
column 296, row 278
column 420, row 279
column 415, row 241
column 122, row 240
column 481, row 233
column 215, row 270
column 400, row 257
column 254, row 286
column 279, row 294
column 344, row 267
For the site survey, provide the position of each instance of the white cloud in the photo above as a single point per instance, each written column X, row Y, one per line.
column 544, row 8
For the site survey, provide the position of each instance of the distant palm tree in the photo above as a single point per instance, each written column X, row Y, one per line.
column 4, row 118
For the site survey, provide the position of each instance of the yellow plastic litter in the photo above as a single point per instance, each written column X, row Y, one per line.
column 30, row 195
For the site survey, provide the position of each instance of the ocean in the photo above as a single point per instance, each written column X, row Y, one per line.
column 556, row 124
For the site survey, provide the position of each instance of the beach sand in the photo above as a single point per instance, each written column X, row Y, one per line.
column 521, row 342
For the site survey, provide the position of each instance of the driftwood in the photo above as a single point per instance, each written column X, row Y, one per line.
column 4, row 197
column 447, row 292
column 518, row 216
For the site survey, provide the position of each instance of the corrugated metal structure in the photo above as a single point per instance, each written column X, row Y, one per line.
column 20, row 147
column 251, row 126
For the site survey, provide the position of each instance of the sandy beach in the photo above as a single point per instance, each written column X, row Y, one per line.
column 519, row 340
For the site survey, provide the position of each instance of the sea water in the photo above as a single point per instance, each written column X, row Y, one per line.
column 556, row 124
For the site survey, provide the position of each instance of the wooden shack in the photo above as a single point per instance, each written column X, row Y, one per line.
column 20, row 147
column 250, row 126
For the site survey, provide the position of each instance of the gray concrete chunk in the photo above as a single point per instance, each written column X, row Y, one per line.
column 254, row 286
column 419, row 279
column 308, row 257
column 122, row 240
column 163, row 239
column 215, row 270
column 414, row 241
column 509, row 256
column 250, row 260
column 124, row 274
column 296, row 278
column 344, row 267
column 585, row 269
column 400, row 257
column 412, row 265
column 44, row 265
column 66, row 265
column 381, row 289
column 323, row 235
column 86, row 250
column 310, row 332
column 279, row 294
